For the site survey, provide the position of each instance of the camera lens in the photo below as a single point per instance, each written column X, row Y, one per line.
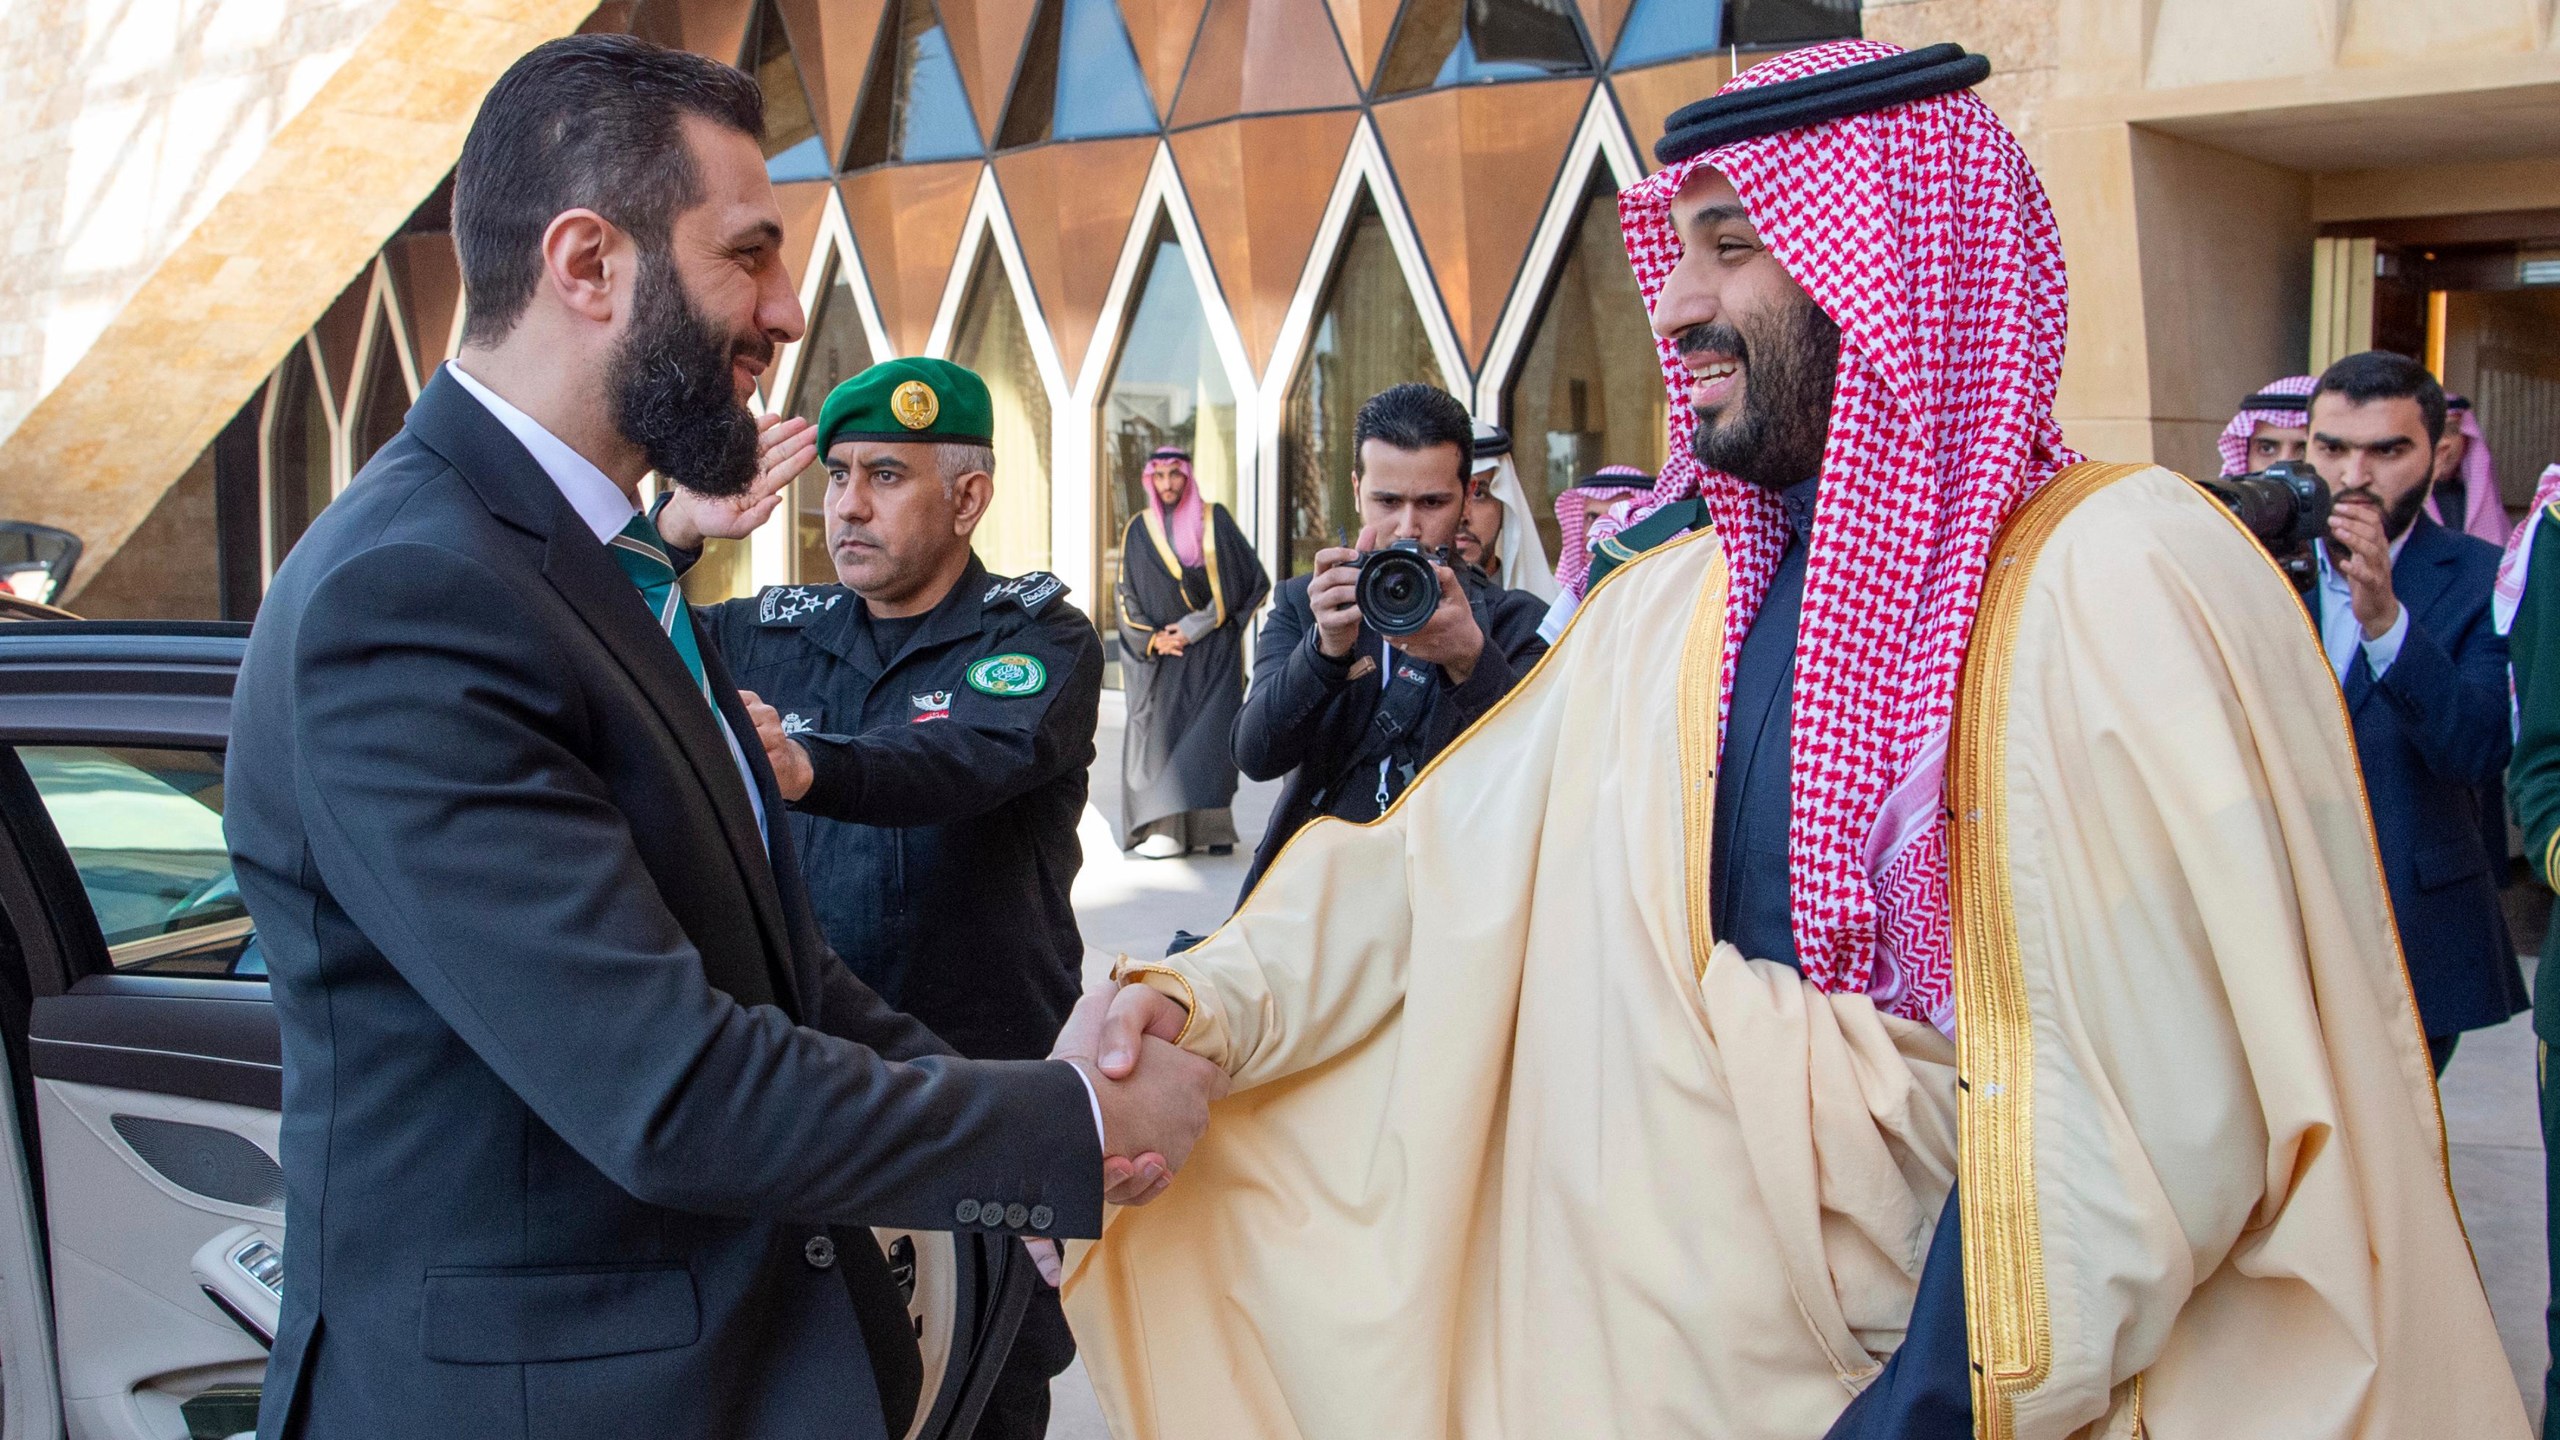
column 1398, row 590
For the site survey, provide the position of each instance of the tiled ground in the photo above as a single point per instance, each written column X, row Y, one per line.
column 1136, row 905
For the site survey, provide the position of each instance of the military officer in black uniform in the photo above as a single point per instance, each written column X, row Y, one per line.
column 931, row 725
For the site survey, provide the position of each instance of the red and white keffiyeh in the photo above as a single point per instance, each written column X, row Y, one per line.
column 2483, row 513
column 2234, row 440
column 2517, row 562
column 1924, row 234
column 1573, row 518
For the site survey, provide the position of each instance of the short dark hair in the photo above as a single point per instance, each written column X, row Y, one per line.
column 1415, row 416
column 2382, row 375
column 587, row 121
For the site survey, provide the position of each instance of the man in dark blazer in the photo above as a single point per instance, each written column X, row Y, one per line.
column 2403, row 606
column 1349, row 715
column 582, row 1122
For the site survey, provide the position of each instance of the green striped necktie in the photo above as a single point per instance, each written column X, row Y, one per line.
column 643, row 557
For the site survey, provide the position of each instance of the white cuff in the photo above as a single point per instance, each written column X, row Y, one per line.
column 2380, row 651
column 1094, row 1100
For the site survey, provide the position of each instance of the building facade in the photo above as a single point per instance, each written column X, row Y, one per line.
column 1222, row 223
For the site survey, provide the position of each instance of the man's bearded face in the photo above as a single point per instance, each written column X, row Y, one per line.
column 672, row 378
column 1773, row 435
column 1762, row 357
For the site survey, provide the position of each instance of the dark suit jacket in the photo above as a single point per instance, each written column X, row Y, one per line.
column 1309, row 717
column 2431, row 732
column 573, row 1090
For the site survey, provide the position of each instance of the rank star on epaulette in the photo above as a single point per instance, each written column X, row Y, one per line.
column 1032, row 591
column 794, row 604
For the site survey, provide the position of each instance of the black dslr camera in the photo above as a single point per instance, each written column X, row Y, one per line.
column 2287, row 507
column 1399, row 589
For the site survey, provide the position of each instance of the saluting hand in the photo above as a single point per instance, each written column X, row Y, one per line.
column 2360, row 552
column 791, row 772
column 785, row 445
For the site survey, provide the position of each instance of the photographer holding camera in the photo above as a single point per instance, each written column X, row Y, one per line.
column 2403, row 610
column 1375, row 662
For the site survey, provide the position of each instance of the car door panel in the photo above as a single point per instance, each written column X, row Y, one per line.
column 176, row 1035
column 142, row 1040
column 138, row 1336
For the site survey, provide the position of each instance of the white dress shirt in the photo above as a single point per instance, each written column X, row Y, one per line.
column 606, row 509
column 2341, row 632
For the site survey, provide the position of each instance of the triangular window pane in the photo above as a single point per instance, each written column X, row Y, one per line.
column 1463, row 42
column 1589, row 388
column 1790, row 22
column 1367, row 337
column 297, row 458
column 384, row 405
column 1080, row 79
column 993, row 341
column 1669, row 29
column 913, row 107
column 836, row 350
column 792, row 149
column 1168, row 387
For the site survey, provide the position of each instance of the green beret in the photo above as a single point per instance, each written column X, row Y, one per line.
column 915, row 399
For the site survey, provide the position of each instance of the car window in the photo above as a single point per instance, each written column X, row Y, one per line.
column 144, row 828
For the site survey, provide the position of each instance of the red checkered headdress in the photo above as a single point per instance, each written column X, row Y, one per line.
column 1921, row 230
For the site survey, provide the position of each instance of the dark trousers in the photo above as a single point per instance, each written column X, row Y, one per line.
column 2551, row 1237
column 1018, row 1407
column 2440, row 1050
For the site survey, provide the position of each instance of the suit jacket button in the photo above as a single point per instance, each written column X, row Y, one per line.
column 1042, row 1217
column 820, row 1252
column 1017, row 1216
column 966, row 1212
column 990, row 1213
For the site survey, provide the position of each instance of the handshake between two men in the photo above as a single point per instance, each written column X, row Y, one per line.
column 1154, row 1097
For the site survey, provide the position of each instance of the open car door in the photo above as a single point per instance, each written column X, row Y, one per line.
column 141, row 1219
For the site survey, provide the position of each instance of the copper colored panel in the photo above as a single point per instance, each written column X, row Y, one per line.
column 1259, row 57
column 986, row 41
column 1071, row 205
column 1648, row 96
column 832, row 41
column 1258, row 188
column 1162, row 31
column 1604, row 17
column 428, row 277
column 1364, row 25
column 717, row 28
column 1475, row 165
column 907, row 219
column 804, row 209
column 341, row 327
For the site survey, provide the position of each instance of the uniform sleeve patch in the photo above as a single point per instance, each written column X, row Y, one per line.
column 796, row 604
column 1032, row 592
column 1009, row 675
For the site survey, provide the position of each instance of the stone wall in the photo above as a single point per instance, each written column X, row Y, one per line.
column 122, row 122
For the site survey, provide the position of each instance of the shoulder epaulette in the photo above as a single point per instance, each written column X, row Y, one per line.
column 1032, row 591
column 796, row 605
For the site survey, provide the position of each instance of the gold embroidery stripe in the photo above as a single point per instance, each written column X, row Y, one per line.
column 2007, row 1321
column 1701, row 693
column 2548, row 851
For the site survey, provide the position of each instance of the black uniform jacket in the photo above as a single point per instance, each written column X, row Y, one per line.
column 1321, row 721
column 573, row 1090
column 939, row 835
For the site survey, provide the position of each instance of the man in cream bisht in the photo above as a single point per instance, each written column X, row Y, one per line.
column 2095, row 1061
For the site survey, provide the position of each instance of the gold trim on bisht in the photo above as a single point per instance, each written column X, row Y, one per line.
column 2008, row 1327
column 1701, row 708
